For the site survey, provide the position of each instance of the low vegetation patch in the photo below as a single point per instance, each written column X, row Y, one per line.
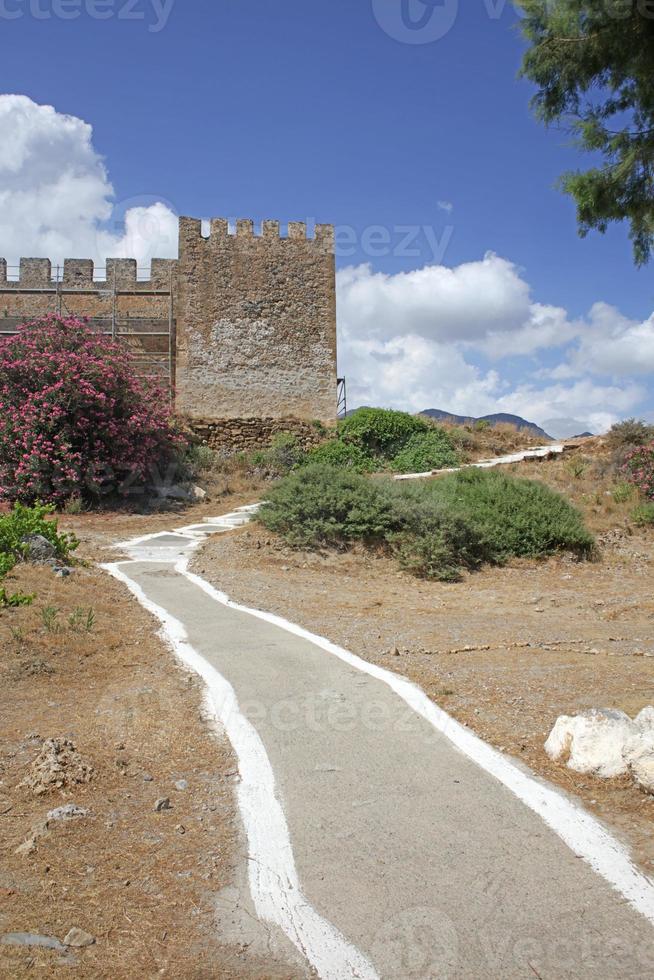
column 374, row 439
column 436, row 529
column 344, row 455
column 426, row 451
column 17, row 528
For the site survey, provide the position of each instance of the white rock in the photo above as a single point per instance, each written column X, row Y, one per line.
column 639, row 755
column 592, row 742
column 67, row 812
column 644, row 720
column 176, row 491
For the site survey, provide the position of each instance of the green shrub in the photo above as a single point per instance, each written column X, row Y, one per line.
column 345, row 455
column 283, row 455
column 381, row 432
column 325, row 505
column 198, row 459
column 643, row 515
column 428, row 539
column 15, row 527
column 461, row 438
column 23, row 521
column 516, row 517
column 431, row 450
column 481, row 425
column 631, row 432
column 437, row 528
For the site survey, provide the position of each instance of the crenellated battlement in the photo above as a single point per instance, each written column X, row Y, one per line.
column 243, row 321
column 190, row 229
column 80, row 274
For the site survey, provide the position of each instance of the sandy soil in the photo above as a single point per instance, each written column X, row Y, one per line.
column 143, row 883
column 505, row 651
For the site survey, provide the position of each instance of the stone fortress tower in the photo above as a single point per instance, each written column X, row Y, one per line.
column 242, row 326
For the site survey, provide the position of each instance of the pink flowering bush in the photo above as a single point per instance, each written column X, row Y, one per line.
column 74, row 419
column 639, row 469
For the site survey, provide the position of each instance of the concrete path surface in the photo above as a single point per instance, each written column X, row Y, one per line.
column 384, row 840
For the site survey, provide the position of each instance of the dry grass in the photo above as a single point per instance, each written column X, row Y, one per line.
column 143, row 883
column 590, row 478
column 497, row 440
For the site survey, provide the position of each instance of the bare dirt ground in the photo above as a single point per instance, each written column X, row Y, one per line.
column 143, row 883
column 505, row 651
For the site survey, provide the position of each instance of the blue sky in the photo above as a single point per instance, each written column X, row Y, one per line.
column 421, row 149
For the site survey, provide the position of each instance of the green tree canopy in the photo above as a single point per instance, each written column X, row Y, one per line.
column 593, row 63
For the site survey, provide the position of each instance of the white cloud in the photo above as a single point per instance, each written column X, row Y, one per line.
column 415, row 340
column 614, row 345
column 446, row 206
column 56, row 197
column 464, row 303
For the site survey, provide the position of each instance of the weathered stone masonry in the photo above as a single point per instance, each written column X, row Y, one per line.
column 256, row 322
column 252, row 318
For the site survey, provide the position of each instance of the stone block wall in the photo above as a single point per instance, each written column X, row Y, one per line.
column 248, row 434
column 256, row 322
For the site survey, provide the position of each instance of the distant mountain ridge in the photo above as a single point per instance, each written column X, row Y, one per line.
column 497, row 418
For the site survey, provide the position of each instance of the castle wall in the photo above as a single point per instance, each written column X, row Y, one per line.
column 253, row 319
column 36, row 293
column 256, row 322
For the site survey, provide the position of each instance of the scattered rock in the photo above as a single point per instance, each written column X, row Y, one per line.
column 38, row 548
column 181, row 785
column 29, row 846
column 147, row 778
column 162, row 804
column 57, row 765
column 68, row 812
column 177, row 491
column 606, row 743
column 77, row 938
column 644, row 720
column 639, row 756
column 31, row 939
column 592, row 742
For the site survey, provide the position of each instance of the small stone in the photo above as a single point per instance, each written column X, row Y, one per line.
column 38, row 548
column 30, row 939
column 68, row 812
column 181, row 785
column 163, row 803
column 78, row 938
column 147, row 778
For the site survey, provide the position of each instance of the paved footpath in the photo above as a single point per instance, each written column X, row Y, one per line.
column 377, row 842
